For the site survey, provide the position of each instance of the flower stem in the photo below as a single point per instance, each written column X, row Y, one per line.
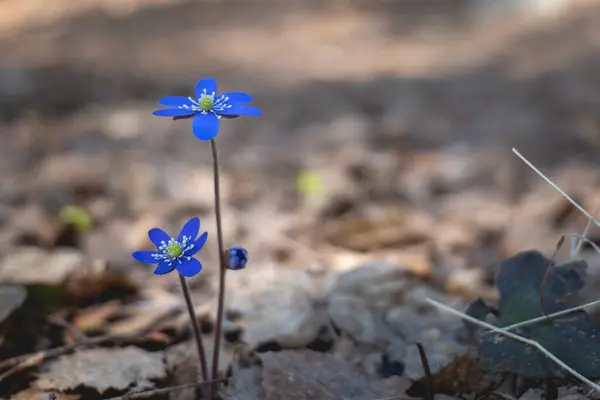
column 195, row 327
column 222, row 266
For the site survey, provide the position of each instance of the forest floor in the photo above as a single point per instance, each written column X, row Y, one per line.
column 401, row 114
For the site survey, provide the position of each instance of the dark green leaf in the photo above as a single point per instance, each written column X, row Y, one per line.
column 573, row 338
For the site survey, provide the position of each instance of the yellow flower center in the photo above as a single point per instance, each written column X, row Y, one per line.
column 174, row 249
column 206, row 103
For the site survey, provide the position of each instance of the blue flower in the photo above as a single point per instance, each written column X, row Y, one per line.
column 237, row 258
column 177, row 253
column 207, row 108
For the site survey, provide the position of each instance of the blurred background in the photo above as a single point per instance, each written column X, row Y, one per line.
column 386, row 136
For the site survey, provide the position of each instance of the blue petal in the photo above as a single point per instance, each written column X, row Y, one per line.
column 205, row 126
column 242, row 110
column 206, row 85
column 190, row 229
column 158, row 236
column 189, row 267
column 173, row 112
column 236, row 97
column 175, row 101
column 163, row 268
column 198, row 244
column 146, row 256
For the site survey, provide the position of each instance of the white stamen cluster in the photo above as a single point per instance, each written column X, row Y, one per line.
column 165, row 248
column 219, row 104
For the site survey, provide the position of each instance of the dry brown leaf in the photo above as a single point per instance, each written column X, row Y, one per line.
column 305, row 374
column 95, row 278
column 104, row 369
column 95, row 319
column 141, row 319
column 155, row 310
column 463, row 375
column 390, row 229
column 417, row 259
column 30, row 362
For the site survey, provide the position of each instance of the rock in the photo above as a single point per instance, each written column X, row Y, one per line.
column 276, row 305
column 360, row 298
column 245, row 384
column 414, row 320
column 304, row 375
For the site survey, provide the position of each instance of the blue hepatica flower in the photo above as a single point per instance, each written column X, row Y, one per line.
column 207, row 108
column 177, row 253
column 237, row 258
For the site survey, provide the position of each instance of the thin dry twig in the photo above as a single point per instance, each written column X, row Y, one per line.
column 155, row 392
column 515, row 337
column 550, row 265
column 63, row 323
column 427, row 370
column 583, row 239
column 559, row 190
column 574, row 249
column 550, row 316
column 586, row 231
column 30, row 362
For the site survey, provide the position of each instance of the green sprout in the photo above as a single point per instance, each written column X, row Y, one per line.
column 76, row 216
column 309, row 183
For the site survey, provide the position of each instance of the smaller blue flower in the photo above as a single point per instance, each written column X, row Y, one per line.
column 207, row 108
column 237, row 258
column 177, row 253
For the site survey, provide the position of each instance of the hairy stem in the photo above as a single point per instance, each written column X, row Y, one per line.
column 195, row 327
column 222, row 266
